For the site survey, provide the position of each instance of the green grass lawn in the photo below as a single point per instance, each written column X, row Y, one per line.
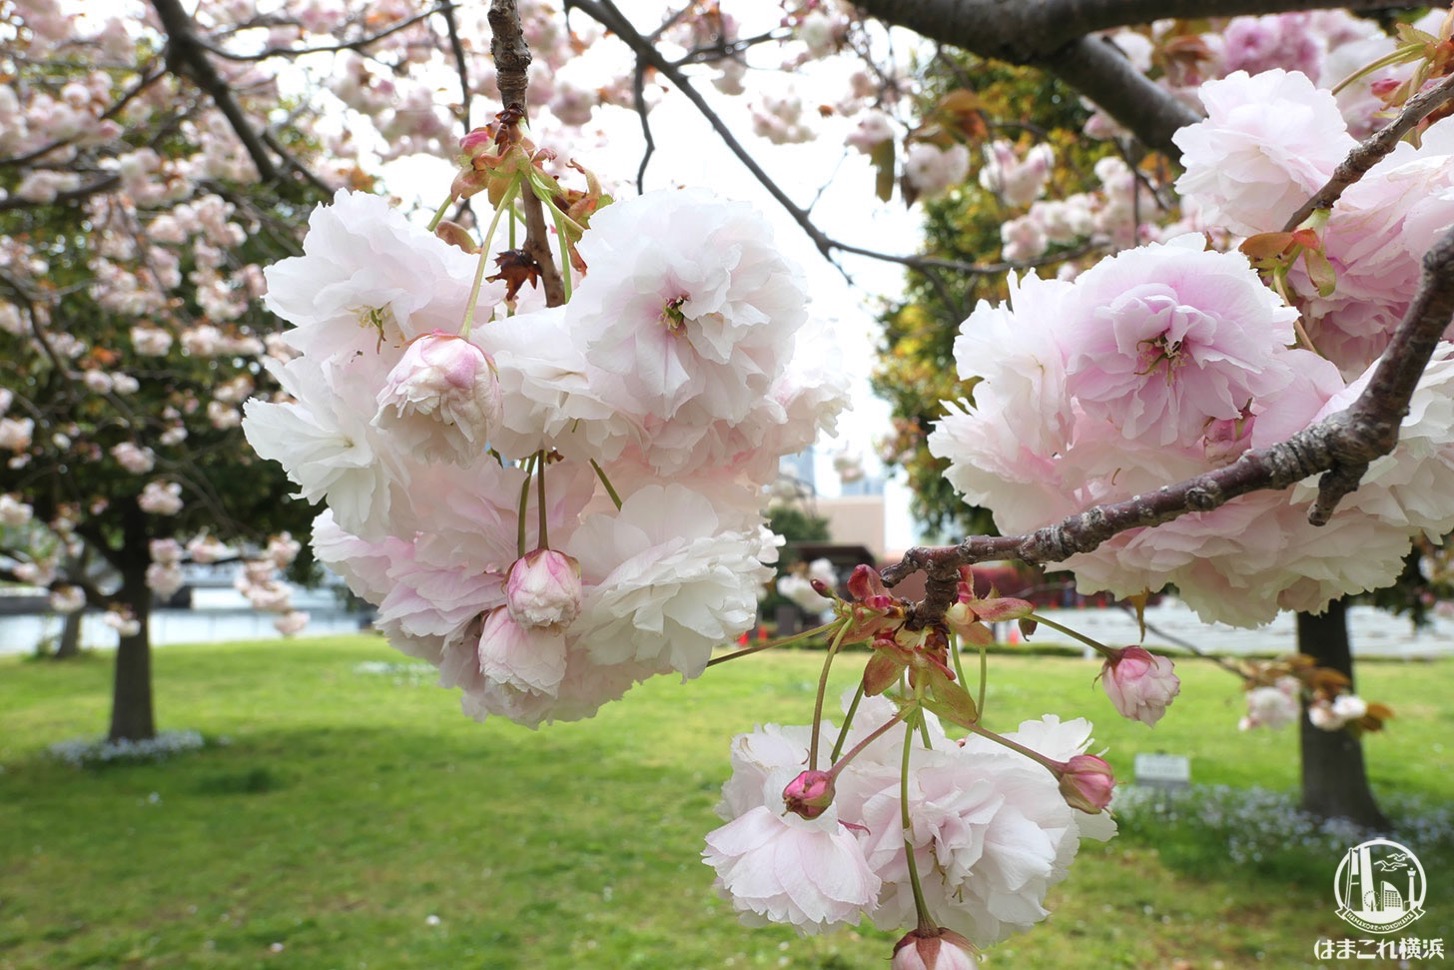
column 358, row 820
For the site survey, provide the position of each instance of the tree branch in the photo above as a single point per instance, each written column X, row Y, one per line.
column 1021, row 33
column 512, row 65
column 1341, row 447
column 1373, row 149
column 461, row 63
column 1054, row 35
column 1098, row 70
column 187, row 58
column 607, row 15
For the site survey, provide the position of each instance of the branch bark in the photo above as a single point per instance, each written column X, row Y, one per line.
column 1339, row 447
column 1373, row 149
column 187, row 58
column 512, row 67
column 1054, row 34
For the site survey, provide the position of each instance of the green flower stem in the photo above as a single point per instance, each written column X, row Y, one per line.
column 806, row 634
column 1049, row 763
column 601, row 474
column 984, row 669
column 524, row 506
column 927, row 923
column 439, row 213
column 847, row 722
column 840, row 763
column 1100, row 647
column 540, row 500
column 822, row 691
column 506, row 202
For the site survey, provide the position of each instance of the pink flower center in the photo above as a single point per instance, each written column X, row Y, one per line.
column 672, row 315
column 1159, row 351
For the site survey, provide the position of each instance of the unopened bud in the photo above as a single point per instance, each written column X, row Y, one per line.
column 941, row 950
column 1087, row 783
column 809, row 794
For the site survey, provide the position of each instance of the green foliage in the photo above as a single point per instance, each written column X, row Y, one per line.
column 797, row 524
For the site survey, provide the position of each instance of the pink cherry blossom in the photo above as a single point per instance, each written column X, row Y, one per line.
column 291, row 622
column 1334, row 715
column 67, row 599
column 137, row 460
column 1272, row 707
column 1168, row 337
column 1087, row 783
column 161, row 498
column 786, row 869
column 442, row 399
column 687, row 300
column 544, row 589
column 932, row 170
column 1017, row 181
column 663, row 583
column 368, row 279
column 1268, row 143
column 943, row 950
column 526, row 658
column 1140, row 684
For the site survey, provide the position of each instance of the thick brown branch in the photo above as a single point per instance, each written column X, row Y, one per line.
column 1373, row 149
column 1054, row 34
column 511, row 53
column 1096, row 69
column 1019, row 32
column 1341, row 447
column 512, row 66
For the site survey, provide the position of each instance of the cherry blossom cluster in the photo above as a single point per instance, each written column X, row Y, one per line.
column 1170, row 359
column 901, row 823
column 990, row 829
column 1278, row 691
column 549, row 503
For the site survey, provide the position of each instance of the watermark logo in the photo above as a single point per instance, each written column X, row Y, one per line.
column 1380, row 886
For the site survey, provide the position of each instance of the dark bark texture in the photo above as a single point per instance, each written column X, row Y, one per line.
column 132, row 718
column 1334, row 779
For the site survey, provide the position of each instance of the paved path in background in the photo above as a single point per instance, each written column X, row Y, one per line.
column 1374, row 632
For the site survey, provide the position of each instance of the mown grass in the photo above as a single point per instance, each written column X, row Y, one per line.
column 358, row 820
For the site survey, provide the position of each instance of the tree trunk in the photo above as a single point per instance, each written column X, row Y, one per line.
column 1335, row 783
column 69, row 644
column 131, row 707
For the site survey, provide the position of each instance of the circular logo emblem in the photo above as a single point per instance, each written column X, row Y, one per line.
column 1379, row 886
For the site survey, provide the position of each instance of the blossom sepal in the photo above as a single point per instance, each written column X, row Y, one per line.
column 1087, row 783
column 941, row 949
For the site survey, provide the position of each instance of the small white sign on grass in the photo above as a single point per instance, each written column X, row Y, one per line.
column 1163, row 770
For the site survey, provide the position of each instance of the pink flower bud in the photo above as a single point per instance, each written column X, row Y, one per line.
column 809, row 794
column 1140, row 684
column 944, row 950
column 442, row 399
column 544, row 589
column 1086, row 782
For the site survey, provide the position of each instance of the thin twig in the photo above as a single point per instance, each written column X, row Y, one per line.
column 607, row 15
column 1373, row 149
